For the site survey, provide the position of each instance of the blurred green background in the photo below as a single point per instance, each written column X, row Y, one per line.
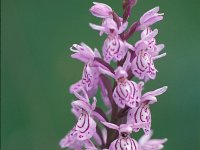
column 36, row 70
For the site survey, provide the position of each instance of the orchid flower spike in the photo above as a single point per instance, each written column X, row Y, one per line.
column 101, row 10
column 124, row 140
column 146, row 143
column 146, row 52
column 149, row 18
column 126, row 105
column 90, row 75
column 142, row 113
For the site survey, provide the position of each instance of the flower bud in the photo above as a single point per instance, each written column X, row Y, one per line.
column 101, row 10
column 150, row 17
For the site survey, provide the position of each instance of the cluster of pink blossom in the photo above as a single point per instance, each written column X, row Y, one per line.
column 128, row 109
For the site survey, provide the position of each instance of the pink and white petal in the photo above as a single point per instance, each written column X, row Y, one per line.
column 123, row 27
column 86, row 127
column 140, row 115
column 145, row 32
column 92, row 92
column 82, row 52
column 105, row 5
column 152, row 20
column 97, row 27
column 156, row 50
column 127, row 128
column 145, row 138
column 132, row 103
column 112, row 145
column 96, row 53
column 101, row 10
column 75, row 87
column 154, row 144
column 140, row 86
column 149, row 14
column 159, row 56
column 87, row 50
column 127, row 62
column 114, row 47
column 160, row 47
column 126, row 93
column 80, row 57
column 136, row 71
column 90, row 77
column 69, row 139
column 151, row 35
column 149, row 99
column 110, row 125
column 106, row 72
column 80, row 97
column 82, row 104
column 76, row 111
column 141, row 45
column 147, row 129
column 151, row 71
column 97, row 116
column 131, row 116
column 124, row 144
column 157, row 141
column 104, row 134
column 118, row 100
column 154, row 93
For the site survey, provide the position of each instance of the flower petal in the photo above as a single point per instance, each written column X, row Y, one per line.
column 149, row 14
column 86, row 127
column 69, row 139
column 124, row 144
column 150, row 97
column 111, row 125
column 139, row 115
column 101, row 10
column 126, row 93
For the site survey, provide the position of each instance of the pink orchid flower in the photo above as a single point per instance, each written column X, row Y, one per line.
column 149, row 18
column 149, row 36
column 101, row 10
column 126, row 92
column 124, row 140
column 90, row 76
column 85, row 128
column 146, row 143
column 146, row 52
column 142, row 113
column 113, row 48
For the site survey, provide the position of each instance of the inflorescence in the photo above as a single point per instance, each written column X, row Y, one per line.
column 128, row 109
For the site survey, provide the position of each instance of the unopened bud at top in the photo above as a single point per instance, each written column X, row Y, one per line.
column 150, row 17
column 101, row 10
